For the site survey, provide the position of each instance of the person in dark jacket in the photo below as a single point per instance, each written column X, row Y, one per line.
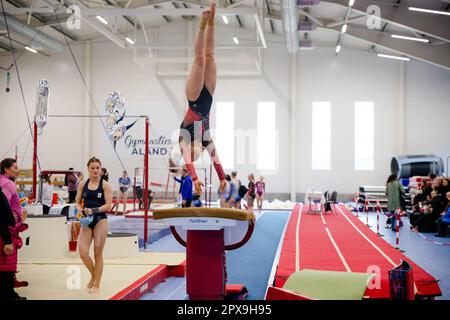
column 427, row 222
column 186, row 188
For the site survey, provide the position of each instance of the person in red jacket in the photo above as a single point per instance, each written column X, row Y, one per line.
column 12, row 217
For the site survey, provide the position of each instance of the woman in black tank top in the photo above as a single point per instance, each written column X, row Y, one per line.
column 94, row 198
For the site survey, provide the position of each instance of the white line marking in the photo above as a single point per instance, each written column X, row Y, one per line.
column 260, row 214
column 323, row 219
column 178, row 288
column 344, row 262
column 367, row 239
column 297, row 240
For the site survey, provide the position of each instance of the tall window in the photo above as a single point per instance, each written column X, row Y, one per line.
column 321, row 135
column 364, row 135
column 266, row 136
column 224, row 138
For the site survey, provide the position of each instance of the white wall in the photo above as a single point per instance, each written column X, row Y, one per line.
column 60, row 137
column 342, row 80
column 427, row 116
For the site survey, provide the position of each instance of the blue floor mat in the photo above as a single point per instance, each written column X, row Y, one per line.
column 251, row 264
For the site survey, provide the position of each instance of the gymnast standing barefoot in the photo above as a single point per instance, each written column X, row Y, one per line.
column 94, row 198
column 200, row 87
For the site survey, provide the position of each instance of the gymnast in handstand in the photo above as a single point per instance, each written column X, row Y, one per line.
column 201, row 83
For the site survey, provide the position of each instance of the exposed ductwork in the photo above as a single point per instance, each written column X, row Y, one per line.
column 289, row 16
column 40, row 39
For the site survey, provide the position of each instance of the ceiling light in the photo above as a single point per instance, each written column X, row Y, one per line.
column 129, row 40
column 225, row 19
column 102, row 20
column 429, row 11
column 338, row 48
column 351, row 3
column 344, row 28
column 30, row 49
column 393, row 57
column 236, row 40
column 410, row 38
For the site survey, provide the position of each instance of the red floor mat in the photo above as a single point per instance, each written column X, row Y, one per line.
column 359, row 253
column 286, row 264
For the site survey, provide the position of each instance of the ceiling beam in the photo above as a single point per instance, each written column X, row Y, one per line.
column 107, row 12
column 340, row 23
column 435, row 26
column 51, row 21
column 128, row 19
column 311, row 17
column 177, row 6
column 19, row 5
column 269, row 11
column 438, row 55
column 5, row 47
column 165, row 17
column 237, row 16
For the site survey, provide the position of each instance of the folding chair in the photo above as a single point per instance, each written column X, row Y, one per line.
column 330, row 200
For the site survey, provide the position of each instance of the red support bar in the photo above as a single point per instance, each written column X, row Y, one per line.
column 35, row 138
column 145, row 198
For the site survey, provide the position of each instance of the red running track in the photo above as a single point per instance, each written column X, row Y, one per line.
column 341, row 242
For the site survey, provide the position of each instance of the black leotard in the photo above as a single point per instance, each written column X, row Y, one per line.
column 94, row 199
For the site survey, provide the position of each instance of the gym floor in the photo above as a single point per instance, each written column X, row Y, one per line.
column 253, row 264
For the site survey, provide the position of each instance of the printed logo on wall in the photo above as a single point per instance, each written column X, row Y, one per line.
column 158, row 146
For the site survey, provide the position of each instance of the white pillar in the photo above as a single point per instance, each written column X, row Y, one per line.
column 293, row 123
column 87, row 105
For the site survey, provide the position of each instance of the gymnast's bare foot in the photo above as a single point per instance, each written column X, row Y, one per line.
column 94, row 290
column 90, row 283
column 213, row 10
column 206, row 14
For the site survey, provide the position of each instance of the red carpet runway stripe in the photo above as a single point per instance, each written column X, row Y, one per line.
column 341, row 242
column 368, row 249
column 288, row 262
